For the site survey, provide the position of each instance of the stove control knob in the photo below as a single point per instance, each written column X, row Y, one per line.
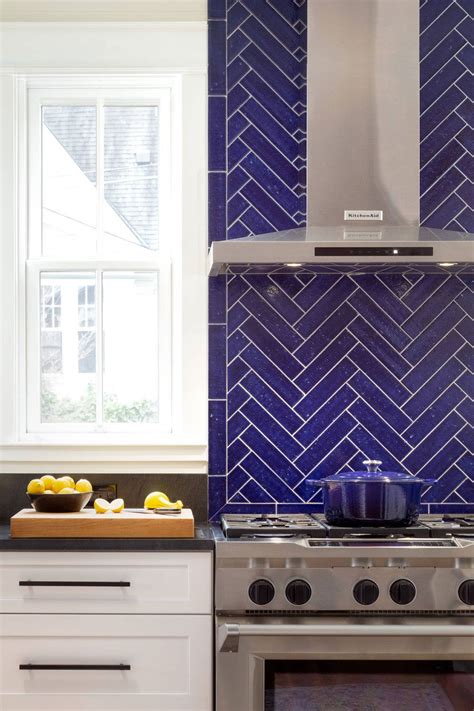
column 466, row 592
column 366, row 592
column 261, row 592
column 402, row 592
column 298, row 592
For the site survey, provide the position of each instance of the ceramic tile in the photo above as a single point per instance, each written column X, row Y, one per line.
column 328, row 365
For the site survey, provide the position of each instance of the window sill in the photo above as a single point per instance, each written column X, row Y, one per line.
column 100, row 458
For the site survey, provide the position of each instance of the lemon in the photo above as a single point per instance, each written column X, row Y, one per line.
column 155, row 499
column 101, row 506
column 83, row 485
column 70, row 480
column 117, row 505
column 48, row 481
column 67, row 490
column 62, row 483
column 36, row 486
column 48, row 491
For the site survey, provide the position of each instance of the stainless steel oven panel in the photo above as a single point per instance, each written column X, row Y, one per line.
column 341, row 552
column 332, row 588
column 240, row 673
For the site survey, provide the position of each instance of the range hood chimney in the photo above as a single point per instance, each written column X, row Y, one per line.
column 363, row 148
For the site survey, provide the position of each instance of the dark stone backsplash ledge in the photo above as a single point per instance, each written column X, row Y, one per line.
column 190, row 488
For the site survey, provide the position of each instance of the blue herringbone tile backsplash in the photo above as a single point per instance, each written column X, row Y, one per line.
column 311, row 373
column 447, row 114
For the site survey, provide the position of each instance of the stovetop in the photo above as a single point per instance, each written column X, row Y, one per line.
column 264, row 525
column 260, row 526
column 298, row 564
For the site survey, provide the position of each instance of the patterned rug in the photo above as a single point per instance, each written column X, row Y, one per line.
column 360, row 697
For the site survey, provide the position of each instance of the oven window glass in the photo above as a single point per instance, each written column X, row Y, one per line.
column 369, row 686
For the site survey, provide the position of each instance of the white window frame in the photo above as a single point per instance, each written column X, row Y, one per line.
column 181, row 446
column 117, row 94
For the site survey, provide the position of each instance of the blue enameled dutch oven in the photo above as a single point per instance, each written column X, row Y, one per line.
column 372, row 498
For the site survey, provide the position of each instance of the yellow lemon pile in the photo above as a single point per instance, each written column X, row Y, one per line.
column 112, row 507
column 159, row 500
column 48, row 484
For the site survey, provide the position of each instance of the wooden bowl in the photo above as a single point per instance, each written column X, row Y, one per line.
column 60, row 503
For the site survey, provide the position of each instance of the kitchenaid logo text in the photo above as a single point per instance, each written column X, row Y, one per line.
column 363, row 214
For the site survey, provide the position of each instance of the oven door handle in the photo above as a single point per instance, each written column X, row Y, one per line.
column 229, row 634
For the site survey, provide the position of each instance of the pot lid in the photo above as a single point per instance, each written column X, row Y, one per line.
column 373, row 474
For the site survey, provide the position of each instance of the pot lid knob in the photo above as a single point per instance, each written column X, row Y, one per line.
column 372, row 464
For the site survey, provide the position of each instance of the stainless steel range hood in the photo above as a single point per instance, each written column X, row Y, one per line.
column 344, row 245
column 363, row 148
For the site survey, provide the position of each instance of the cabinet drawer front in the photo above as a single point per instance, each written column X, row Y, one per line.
column 108, row 583
column 123, row 662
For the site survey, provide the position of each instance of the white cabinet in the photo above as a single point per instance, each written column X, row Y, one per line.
column 148, row 662
column 109, row 583
column 143, row 646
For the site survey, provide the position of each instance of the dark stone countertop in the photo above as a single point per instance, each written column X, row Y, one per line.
column 204, row 539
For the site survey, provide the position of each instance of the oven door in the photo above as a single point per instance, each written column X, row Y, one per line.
column 340, row 664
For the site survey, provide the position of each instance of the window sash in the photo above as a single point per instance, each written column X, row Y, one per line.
column 93, row 93
column 34, row 269
column 99, row 97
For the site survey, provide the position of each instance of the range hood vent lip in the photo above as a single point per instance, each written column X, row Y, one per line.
column 316, row 245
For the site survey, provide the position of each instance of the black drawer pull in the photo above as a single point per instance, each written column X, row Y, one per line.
column 72, row 584
column 75, row 667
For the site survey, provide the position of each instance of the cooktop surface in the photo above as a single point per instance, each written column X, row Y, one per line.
column 315, row 526
column 263, row 525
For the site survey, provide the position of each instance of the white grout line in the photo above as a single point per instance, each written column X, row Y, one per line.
column 428, row 435
column 437, row 154
column 431, row 296
column 453, row 110
column 255, row 454
column 453, row 29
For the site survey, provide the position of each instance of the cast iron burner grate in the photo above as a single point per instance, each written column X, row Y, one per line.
column 445, row 525
column 271, row 525
column 416, row 530
column 259, row 526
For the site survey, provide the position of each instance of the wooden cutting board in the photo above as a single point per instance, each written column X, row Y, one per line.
column 28, row 523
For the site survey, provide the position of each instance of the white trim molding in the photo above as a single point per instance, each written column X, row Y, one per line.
column 157, row 47
column 103, row 10
column 103, row 459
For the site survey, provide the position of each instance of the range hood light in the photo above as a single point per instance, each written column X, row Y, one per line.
column 293, row 264
column 447, row 264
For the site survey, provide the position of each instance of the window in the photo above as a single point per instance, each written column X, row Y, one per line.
column 101, row 309
column 82, row 151
column 99, row 186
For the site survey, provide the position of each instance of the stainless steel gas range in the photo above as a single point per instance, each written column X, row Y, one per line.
column 306, row 612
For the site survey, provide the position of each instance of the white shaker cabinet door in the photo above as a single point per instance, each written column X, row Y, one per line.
column 139, row 582
column 123, row 662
